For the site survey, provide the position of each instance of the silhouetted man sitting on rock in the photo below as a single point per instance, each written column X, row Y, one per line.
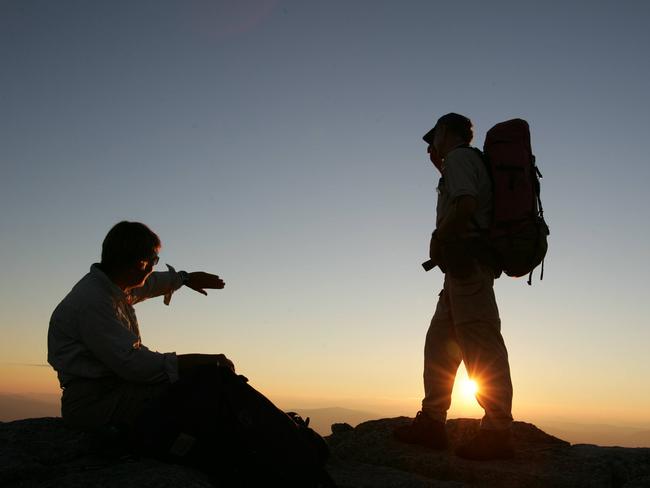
column 108, row 376
column 466, row 324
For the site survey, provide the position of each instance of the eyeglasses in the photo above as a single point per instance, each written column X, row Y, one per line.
column 153, row 259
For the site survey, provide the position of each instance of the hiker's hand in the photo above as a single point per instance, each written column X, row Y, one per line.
column 435, row 253
column 198, row 281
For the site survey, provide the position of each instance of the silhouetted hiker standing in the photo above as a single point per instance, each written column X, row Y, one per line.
column 466, row 325
column 189, row 408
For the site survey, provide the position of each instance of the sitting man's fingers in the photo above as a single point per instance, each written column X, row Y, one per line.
column 200, row 279
column 197, row 289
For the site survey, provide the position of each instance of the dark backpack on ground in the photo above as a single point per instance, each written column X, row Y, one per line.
column 215, row 421
column 518, row 233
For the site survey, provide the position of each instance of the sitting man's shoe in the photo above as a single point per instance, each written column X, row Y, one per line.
column 423, row 431
column 487, row 445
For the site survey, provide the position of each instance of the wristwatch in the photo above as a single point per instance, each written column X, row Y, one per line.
column 185, row 277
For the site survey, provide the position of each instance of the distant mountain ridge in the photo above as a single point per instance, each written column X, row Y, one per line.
column 599, row 434
column 321, row 419
column 20, row 406
column 573, row 432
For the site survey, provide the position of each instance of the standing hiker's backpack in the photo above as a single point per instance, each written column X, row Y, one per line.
column 518, row 234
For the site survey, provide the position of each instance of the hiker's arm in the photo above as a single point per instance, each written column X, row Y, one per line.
column 453, row 226
column 435, row 250
column 457, row 222
column 187, row 362
column 462, row 185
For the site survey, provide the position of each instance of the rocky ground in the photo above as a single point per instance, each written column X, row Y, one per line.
column 367, row 456
column 42, row 453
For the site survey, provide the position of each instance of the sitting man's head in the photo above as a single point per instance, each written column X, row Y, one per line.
column 129, row 253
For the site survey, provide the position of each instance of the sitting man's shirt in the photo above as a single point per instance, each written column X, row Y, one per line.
column 94, row 332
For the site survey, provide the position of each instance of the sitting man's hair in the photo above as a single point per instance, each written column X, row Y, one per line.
column 459, row 125
column 127, row 243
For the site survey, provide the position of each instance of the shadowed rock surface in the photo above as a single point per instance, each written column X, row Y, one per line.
column 368, row 456
column 42, row 453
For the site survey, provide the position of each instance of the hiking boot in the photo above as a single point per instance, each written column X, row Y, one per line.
column 487, row 445
column 423, row 431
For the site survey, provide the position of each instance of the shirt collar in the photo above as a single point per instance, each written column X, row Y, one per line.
column 103, row 278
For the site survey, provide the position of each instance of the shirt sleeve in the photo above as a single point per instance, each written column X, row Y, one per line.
column 119, row 348
column 461, row 175
column 157, row 284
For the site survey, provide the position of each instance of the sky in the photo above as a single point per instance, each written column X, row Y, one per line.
column 278, row 144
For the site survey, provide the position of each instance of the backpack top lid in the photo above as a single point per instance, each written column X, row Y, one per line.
column 508, row 132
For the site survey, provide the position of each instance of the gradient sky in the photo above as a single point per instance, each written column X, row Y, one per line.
column 278, row 144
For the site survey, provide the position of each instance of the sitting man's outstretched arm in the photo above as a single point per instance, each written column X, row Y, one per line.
column 167, row 282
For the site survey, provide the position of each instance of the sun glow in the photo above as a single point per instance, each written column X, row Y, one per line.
column 469, row 388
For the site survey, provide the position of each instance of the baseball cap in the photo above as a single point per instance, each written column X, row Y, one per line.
column 456, row 122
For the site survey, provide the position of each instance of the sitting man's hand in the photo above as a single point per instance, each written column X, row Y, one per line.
column 187, row 362
column 222, row 360
column 198, row 281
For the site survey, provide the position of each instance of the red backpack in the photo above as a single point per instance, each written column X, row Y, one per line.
column 518, row 233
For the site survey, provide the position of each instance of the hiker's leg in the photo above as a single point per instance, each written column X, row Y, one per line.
column 478, row 329
column 441, row 360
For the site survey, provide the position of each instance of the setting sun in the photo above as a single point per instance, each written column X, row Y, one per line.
column 469, row 388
